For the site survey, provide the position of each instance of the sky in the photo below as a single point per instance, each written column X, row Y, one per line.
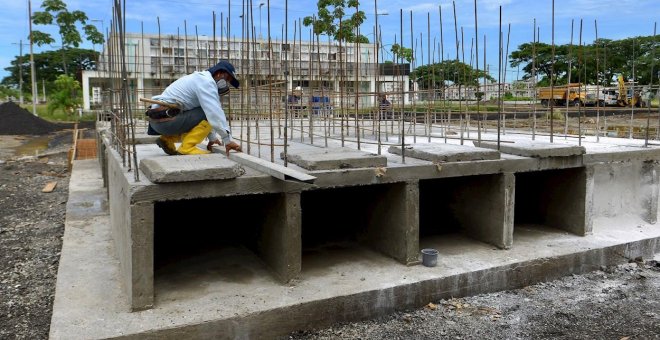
column 615, row 19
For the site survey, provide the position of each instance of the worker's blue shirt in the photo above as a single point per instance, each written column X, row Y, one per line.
column 199, row 90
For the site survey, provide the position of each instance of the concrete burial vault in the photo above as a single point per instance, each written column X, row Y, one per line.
column 333, row 198
column 355, row 195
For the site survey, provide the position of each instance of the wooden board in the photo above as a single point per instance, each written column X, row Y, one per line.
column 273, row 169
column 49, row 187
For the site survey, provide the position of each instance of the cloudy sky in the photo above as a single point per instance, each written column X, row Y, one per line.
column 615, row 19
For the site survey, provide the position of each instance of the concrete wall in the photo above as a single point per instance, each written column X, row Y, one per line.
column 132, row 230
column 393, row 223
column 626, row 188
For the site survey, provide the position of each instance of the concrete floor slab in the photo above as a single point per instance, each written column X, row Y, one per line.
column 187, row 168
column 314, row 158
column 438, row 152
column 536, row 149
column 227, row 292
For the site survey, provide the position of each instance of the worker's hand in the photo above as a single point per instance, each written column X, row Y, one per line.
column 209, row 146
column 233, row 146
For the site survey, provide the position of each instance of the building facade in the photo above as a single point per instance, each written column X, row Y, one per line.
column 329, row 69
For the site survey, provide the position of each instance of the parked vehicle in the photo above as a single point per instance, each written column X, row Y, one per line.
column 573, row 94
column 604, row 97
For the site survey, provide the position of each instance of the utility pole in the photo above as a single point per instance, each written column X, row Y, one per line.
column 20, row 71
column 34, row 75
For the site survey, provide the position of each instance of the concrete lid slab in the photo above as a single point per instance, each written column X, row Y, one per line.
column 187, row 168
column 440, row 152
column 314, row 158
column 536, row 149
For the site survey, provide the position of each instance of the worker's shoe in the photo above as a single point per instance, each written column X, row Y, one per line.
column 194, row 137
column 167, row 143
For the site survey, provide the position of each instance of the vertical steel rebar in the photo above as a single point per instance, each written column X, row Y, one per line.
column 476, row 57
column 552, row 76
column 499, row 83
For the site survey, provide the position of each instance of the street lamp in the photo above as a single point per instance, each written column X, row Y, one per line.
column 260, row 5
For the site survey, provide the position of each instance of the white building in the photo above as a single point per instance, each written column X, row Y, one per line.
column 153, row 62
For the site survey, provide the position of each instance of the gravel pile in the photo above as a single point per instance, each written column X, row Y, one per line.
column 19, row 121
column 15, row 120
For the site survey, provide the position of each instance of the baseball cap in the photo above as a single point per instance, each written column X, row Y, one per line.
column 226, row 66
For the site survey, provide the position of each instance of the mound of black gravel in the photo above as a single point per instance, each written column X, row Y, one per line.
column 15, row 120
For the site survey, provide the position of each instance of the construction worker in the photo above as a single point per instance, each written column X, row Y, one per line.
column 199, row 114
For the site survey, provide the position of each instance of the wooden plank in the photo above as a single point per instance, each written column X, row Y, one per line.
column 161, row 103
column 49, row 187
column 273, row 169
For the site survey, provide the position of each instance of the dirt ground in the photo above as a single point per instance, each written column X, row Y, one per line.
column 31, row 229
column 621, row 302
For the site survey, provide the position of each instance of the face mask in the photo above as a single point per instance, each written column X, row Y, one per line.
column 223, row 87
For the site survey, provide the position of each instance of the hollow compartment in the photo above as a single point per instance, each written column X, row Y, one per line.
column 474, row 206
column 554, row 199
column 351, row 224
column 218, row 239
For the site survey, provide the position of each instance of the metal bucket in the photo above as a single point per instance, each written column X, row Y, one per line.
column 429, row 257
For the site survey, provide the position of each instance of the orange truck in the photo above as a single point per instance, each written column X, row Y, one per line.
column 573, row 94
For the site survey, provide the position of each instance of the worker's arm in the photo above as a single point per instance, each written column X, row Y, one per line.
column 209, row 100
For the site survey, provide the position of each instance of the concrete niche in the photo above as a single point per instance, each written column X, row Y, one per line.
column 556, row 198
column 479, row 207
column 236, row 233
column 350, row 220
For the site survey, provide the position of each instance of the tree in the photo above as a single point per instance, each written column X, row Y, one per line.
column 67, row 96
column 402, row 52
column 49, row 66
column 620, row 57
column 449, row 71
column 8, row 93
column 331, row 21
column 56, row 10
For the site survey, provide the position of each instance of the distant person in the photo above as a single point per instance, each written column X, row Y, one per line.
column 384, row 107
column 200, row 113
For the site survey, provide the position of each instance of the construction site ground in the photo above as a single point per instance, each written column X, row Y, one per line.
column 620, row 302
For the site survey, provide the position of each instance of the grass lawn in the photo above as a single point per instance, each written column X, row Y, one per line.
column 58, row 115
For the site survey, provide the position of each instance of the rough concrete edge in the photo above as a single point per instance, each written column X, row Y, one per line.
column 464, row 156
column 160, row 175
column 350, row 162
column 557, row 150
column 374, row 303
